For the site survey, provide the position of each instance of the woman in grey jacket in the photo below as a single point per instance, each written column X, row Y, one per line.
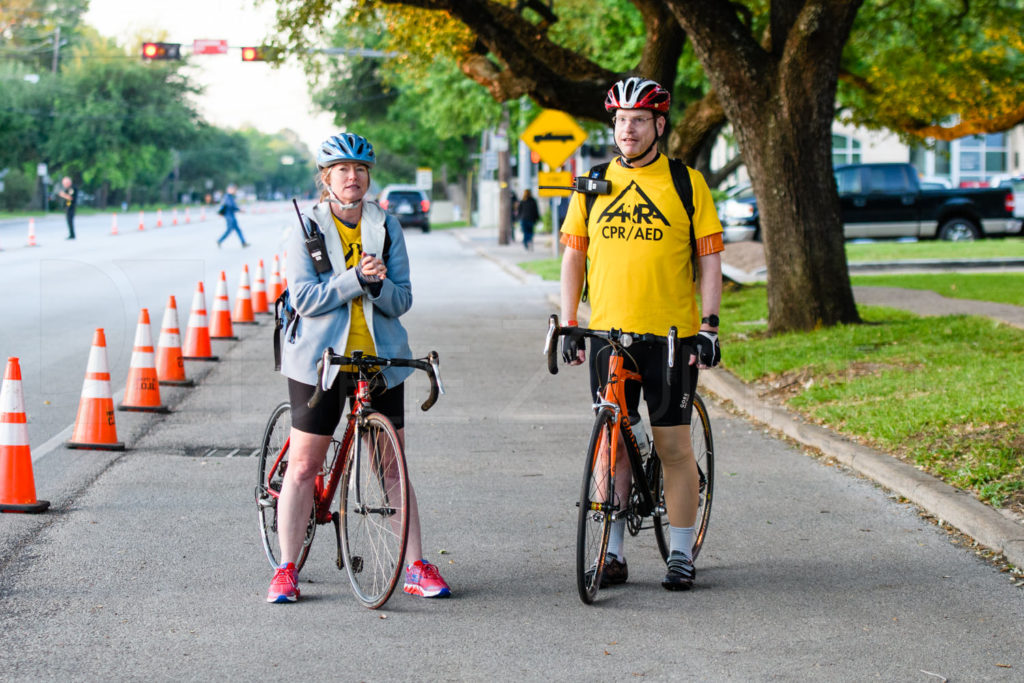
column 355, row 305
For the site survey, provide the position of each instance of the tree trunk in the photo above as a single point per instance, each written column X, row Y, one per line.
column 780, row 101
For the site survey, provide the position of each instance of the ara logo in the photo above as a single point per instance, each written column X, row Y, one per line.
column 632, row 206
column 355, row 251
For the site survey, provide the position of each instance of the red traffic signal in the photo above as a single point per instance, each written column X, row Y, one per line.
column 253, row 54
column 161, row 50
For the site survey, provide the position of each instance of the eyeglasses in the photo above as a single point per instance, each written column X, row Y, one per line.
column 626, row 121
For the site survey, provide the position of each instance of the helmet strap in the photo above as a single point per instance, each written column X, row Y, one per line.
column 333, row 199
column 629, row 161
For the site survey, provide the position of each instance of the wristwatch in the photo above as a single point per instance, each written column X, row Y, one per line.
column 711, row 320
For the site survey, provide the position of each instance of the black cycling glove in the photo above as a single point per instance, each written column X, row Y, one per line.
column 709, row 353
column 571, row 346
column 371, row 286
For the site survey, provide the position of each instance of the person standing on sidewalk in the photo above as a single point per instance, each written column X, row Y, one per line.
column 353, row 306
column 69, row 193
column 528, row 215
column 640, row 276
column 228, row 208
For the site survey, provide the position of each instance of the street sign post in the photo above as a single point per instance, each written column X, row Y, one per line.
column 554, row 136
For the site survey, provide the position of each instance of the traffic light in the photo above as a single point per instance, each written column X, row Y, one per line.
column 261, row 53
column 161, row 50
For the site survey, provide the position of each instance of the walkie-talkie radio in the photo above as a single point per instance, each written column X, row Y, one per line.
column 314, row 240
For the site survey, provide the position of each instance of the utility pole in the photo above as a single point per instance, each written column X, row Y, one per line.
column 504, row 175
column 56, row 48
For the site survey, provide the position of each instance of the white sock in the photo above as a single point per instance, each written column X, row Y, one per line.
column 680, row 539
column 618, row 532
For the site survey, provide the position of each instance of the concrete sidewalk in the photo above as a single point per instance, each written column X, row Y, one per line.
column 986, row 525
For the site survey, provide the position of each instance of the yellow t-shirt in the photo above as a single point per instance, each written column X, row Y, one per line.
column 637, row 241
column 359, row 338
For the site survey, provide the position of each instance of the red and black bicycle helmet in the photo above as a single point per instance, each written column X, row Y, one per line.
column 638, row 93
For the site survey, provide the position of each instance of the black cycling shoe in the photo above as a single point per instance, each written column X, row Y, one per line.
column 615, row 572
column 680, row 574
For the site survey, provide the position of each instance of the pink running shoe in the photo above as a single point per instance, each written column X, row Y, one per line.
column 285, row 585
column 423, row 579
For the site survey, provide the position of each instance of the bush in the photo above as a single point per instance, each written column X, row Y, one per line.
column 19, row 188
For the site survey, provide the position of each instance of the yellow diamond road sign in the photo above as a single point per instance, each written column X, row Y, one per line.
column 554, row 136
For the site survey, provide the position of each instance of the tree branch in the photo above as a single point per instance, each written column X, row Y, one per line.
column 995, row 124
column 664, row 44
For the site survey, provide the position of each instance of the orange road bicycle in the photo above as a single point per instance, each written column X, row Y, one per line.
column 371, row 522
column 598, row 504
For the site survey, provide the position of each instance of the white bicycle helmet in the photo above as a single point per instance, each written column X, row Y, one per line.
column 638, row 93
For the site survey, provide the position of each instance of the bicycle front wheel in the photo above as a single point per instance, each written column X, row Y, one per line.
column 374, row 511
column 704, row 454
column 273, row 463
column 596, row 505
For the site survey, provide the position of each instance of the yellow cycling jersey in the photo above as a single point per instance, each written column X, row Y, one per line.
column 637, row 240
column 359, row 338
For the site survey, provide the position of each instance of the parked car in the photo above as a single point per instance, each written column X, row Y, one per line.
column 738, row 214
column 1017, row 186
column 888, row 201
column 409, row 204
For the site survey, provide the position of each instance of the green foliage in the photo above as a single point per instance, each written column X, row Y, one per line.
column 28, row 29
column 891, row 250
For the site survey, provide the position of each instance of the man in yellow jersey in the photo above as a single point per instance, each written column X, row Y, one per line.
column 640, row 276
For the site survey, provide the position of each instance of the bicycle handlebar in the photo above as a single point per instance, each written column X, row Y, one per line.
column 616, row 337
column 431, row 365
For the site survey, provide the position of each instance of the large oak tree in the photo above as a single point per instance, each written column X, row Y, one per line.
column 772, row 70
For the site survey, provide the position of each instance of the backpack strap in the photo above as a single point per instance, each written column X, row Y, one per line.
column 684, row 188
column 597, row 172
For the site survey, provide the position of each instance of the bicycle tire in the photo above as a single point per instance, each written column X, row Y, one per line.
column 268, row 488
column 704, row 454
column 374, row 502
column 594, row 519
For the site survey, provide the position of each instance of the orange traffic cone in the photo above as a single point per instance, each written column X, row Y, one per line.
column 197, row 337
column 284, row 275
column 202, row 214
column 243, row 301
column 32, row 232
column 170, row 368
column 17, row 485
column 95, row 427
column 159, row 218
column 188, row 218
column 113, row 223
column 259, row 291
column 220, row 327
column 142, row 390
column 142, row 220
column 174, row 221
column 275, row 280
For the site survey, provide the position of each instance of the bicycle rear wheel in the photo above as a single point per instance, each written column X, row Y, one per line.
column 374, row 511
column 595, row 508
column 704, row 454
column 268, row 484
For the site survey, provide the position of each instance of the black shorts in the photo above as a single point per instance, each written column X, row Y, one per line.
column 324, row 418
column 668, row 406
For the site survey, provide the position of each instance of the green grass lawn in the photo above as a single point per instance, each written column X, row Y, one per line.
column 938, row 392
column 547, row 268
column 449, row 225
column 1006, row 288
column 1002, row 247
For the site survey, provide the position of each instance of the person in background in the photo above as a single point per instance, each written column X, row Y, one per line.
column 69, row 193
column 528, row 215
column 228, row 209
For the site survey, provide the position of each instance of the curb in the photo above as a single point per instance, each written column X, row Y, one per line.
column 951, row 505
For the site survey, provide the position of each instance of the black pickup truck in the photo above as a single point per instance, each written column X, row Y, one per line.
column 886, row 201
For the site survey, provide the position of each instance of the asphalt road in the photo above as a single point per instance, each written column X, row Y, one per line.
column 149, row 566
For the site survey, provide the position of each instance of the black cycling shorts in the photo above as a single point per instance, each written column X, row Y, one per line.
column 668, row 406
column 324, row 418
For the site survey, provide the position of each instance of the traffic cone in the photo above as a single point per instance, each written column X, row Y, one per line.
column 174, row 220
column 113, row 223
column 284, row 275
column 243, row 301
column 202, row 214
column 197, row 337
column 259, row 291
column 142, row 220
column 170, row 367
column 159, row 218
column 95, row 427
column 220, row 327
column 142, row 390
column 17, row 485
column 275, row 280
column 32, row 232
column 188, row 218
